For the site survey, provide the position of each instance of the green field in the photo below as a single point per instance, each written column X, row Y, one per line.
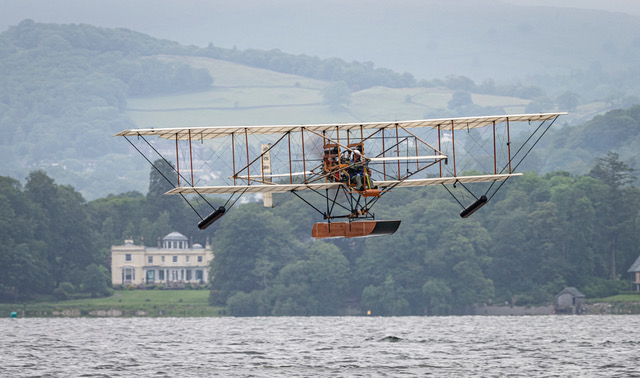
column 243, row 95
column 179, row 303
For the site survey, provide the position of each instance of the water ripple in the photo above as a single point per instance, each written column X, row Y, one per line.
column 542, row 346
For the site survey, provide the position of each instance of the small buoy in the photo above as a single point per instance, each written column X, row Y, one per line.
column 368, row 312
column 14, row 314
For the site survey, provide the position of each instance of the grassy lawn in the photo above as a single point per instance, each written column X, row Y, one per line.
column 134, row 297
column 123, row 303
column 618, row 298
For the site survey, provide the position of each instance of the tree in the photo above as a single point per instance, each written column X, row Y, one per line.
column 568, row 101
column 24, row 268
column 385, row 299
column 94, row 280
column 248, row 240
column 314, row 285
column 540, row 105
column 576, row 213
column 63, row 222
column 613, row 172
column 437, row 296
column 336, row 95
column 459, row 99
column 463, row 251
column 618, row 205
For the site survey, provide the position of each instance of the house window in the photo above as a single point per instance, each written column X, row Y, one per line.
column 127, row 257
column 161, row 275
column 150, row 259
column 162, row 258
column 128, row 275
column 175, row 258
column 187, row 258
column 199, row 258
column 199, row 275
column 188, row 275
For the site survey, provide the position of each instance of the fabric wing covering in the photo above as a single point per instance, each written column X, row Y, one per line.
column 463, row 123
column 334, row 185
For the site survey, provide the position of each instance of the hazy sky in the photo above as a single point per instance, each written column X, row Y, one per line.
column 377, row 28
column 626, row 6
column 188, row 21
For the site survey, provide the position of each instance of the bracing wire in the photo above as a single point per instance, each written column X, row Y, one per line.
column 165, row 177
column 525, row 155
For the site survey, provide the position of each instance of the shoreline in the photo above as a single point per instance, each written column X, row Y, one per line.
column 48, row 310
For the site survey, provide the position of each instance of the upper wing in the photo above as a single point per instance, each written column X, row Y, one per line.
column 282, row 188
column 197, row 133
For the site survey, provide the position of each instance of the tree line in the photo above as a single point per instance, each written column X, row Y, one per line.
column 538, row 235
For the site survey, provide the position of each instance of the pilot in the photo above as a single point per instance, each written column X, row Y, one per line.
column 328, row 164
column 357, row 169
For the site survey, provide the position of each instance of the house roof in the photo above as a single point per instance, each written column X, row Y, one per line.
column 635, row 267
column 175, row 236
column 573, row 291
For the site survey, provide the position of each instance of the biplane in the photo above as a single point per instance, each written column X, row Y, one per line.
column 351, row 166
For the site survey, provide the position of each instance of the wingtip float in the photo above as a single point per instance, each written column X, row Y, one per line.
column 475, row 206
column 214, row 216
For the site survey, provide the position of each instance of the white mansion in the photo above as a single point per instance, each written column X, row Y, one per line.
column 174, row 262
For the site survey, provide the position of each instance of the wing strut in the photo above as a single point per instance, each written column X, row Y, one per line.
column 165, row 177
column 520, row 149
column 483, row 199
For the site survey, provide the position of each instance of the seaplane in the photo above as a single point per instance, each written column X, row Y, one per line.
column 351, row 166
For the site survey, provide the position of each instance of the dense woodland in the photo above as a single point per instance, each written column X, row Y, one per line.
column 538, row 235
column 65, row 88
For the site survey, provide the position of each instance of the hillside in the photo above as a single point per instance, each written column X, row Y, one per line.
column 575, row 148
column 69, row 88
column 481, row 39
column 245, row 95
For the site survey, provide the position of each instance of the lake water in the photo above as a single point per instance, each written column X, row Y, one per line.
column 571, row 346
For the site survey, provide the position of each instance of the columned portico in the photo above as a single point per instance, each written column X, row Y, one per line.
column 186, row 274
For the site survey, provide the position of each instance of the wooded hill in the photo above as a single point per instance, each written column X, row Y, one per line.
column 68, row 88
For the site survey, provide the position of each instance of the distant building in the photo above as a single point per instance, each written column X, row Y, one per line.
column 635, row 275
column 570, row 301
column 172, row 262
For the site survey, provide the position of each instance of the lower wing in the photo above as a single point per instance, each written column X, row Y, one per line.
column 283, row 188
